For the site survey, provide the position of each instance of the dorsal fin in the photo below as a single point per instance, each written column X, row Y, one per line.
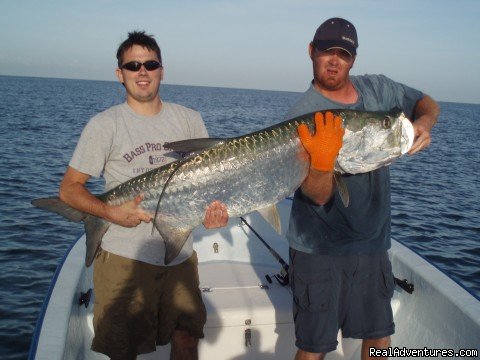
column 193, row 146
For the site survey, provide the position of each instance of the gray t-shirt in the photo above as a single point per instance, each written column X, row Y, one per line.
column 121, row 144
column 364, row 226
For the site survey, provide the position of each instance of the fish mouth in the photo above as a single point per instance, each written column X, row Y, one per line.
column 408, row 135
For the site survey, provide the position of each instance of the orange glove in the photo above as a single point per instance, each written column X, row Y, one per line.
column 325, row 145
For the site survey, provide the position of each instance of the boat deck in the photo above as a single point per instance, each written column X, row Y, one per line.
column 250, row 318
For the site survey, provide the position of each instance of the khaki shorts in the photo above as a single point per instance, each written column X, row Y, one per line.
column 139, row 305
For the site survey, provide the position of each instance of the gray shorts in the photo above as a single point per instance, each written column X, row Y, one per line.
column 351, row 293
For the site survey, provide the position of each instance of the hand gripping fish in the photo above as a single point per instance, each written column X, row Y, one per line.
column 246, row 173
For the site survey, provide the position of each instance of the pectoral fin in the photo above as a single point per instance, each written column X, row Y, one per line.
column 174, row 238
column 271, row 215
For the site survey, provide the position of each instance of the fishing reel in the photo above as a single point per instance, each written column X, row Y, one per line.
column 282, row 277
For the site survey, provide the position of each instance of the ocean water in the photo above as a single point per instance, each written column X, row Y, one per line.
column 435, row 196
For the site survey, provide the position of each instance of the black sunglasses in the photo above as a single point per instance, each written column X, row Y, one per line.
column 136, row 65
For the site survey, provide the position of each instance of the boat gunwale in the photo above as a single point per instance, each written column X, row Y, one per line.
column 46, row 302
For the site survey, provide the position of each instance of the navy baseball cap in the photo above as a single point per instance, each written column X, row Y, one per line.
column 336, row 33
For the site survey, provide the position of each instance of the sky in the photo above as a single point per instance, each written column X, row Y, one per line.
column 431, row 45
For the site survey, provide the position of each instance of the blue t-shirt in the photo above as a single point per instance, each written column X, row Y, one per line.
column 364, row 226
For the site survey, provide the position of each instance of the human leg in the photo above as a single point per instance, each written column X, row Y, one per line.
column 305, row 355
column 369, row 316
column 181, row 314
column 367, row 344
column 139, row 305
column 368, row 312
column 124, row 313
column 315, row 284
column 184, row 346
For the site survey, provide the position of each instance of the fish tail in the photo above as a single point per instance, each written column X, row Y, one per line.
column 57, row 206
column 95, row 227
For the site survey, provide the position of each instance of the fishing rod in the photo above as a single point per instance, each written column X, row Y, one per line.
column 282, row 278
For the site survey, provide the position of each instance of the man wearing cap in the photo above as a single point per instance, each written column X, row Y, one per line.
column 341, row 275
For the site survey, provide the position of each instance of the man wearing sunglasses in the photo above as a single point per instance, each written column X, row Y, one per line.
column 341, row 276
column 139, row 302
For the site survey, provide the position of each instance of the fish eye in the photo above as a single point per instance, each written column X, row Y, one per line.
column 386, row 123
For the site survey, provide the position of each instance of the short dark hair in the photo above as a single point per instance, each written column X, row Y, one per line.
column 138, row 38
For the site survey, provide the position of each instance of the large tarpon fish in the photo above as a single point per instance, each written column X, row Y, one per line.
column 246, row 173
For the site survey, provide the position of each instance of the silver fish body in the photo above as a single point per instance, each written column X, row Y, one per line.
column 249, row 172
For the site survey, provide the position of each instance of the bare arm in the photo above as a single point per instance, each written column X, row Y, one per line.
column 426, row 113
column 319, row 186
column 74, row 193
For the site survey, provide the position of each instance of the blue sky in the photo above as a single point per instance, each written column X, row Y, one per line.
column 431, row 45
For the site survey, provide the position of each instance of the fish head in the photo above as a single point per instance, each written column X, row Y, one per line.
column 373, row 140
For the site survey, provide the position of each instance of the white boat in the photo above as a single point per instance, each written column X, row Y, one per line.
column 250, row 317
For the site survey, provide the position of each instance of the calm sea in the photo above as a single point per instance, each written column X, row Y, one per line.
column 436, row 203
